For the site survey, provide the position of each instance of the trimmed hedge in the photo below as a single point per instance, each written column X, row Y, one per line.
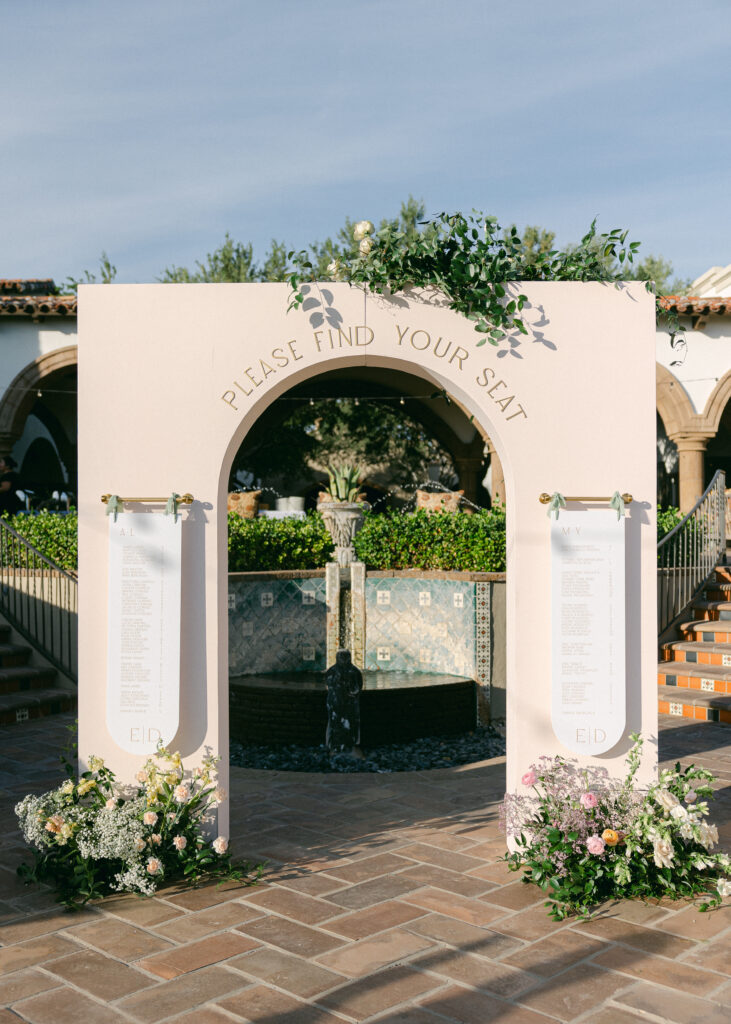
column 54, row 535
column 261, row 545
column 433, row 540
column 391, row 540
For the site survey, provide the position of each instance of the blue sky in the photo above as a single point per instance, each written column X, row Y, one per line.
column 148, row 129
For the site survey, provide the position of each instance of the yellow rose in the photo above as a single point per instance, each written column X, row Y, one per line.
column 610, row 837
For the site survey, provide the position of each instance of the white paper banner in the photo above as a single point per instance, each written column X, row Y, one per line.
column 588, row 703
column 143, row 668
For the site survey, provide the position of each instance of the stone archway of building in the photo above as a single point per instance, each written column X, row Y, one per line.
column 20, row 395
column 673, row 403
column 173, row 378
column 720, row 397
column 690, row 432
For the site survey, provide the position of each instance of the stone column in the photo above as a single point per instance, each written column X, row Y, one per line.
column 691, row 452
column 469, row 471
column 7, row 441
column 498, row 480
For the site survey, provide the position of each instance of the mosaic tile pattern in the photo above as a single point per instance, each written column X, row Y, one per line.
column 483, row 636
column 420, row 626
column 276, row 626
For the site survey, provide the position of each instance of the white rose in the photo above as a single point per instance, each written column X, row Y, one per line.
column 362, row 229
column 220, row 845
column 708, row 834
column 365, row 245
column 335, row 270
column 663, row 853
column 724, row 887
column 666, row 799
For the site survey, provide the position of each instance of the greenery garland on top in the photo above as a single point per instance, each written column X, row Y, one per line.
column 470, row 260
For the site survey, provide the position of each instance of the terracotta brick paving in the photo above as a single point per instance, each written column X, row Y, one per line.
column 383, row 901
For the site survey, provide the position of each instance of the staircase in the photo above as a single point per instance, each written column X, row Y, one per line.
column 27, row 691
column 694, row 674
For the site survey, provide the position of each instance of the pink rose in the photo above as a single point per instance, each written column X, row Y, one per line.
column 595, row 844
column 530, row 778
column 149, row 817
column 588, row 800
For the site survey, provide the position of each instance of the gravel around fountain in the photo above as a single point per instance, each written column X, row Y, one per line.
column 430, row 752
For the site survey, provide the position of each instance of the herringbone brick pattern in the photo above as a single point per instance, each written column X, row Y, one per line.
column 383, row 901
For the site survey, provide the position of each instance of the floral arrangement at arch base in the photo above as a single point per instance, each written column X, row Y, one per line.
column 586, row 838
column 93, row 837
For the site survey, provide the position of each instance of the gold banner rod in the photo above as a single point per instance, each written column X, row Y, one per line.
column 184, row 499
column 545, row 498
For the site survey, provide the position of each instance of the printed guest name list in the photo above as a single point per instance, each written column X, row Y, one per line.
column 143, row 674
column 588, row 704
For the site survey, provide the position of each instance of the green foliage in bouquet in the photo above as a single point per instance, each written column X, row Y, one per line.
column 585, row 838
column 92, row 837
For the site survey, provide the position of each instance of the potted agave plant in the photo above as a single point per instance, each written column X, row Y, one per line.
column 342, row 506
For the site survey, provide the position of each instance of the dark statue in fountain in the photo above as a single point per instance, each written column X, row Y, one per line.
column 344, row 685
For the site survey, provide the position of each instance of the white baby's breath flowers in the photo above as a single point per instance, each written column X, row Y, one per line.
column 362, row 229
column 181, row 793
column 365, row 245
column 220, row 845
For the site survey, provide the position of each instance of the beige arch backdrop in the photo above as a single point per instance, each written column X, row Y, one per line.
column 171, row 378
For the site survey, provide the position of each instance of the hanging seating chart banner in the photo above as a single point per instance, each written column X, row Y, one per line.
column 143, row 671
column 588, row 705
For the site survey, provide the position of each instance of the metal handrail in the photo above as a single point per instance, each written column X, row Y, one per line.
column 40, row 600
column 687, row 556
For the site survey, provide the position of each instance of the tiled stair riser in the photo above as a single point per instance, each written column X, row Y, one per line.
column 694, row 674
column 711, row 657
column 701, row 683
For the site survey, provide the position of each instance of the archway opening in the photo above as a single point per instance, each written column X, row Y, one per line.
column 434, row 641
